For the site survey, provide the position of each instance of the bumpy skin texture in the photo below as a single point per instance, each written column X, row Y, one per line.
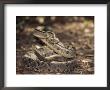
column 49, row 38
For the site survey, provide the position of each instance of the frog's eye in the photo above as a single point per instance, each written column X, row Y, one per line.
column 51, row 33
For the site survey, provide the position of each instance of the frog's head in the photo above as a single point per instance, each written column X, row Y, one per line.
column 39, row 33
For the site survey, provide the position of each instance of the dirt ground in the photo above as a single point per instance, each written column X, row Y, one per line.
column 76, row 30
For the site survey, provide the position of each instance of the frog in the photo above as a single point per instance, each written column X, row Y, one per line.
column 50, row 39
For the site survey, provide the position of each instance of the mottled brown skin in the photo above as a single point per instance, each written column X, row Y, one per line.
column 49, row 38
